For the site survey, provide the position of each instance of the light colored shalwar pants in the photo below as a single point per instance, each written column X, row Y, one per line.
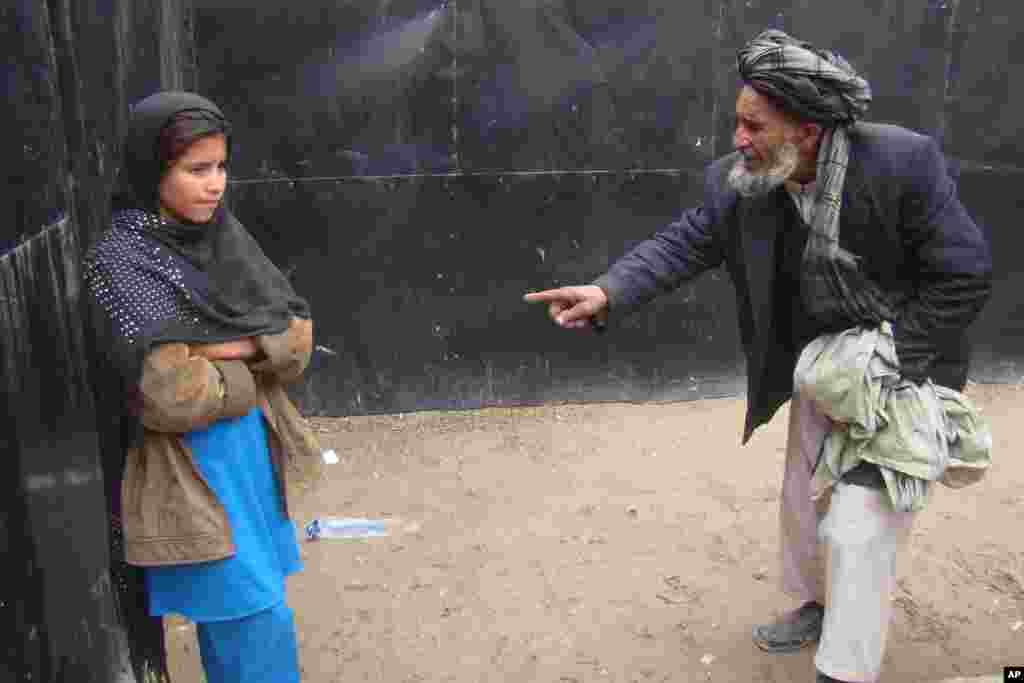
column 839, row 551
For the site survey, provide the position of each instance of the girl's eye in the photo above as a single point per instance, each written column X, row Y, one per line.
column 202, row 169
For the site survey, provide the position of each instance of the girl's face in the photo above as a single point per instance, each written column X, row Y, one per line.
column 193, row 186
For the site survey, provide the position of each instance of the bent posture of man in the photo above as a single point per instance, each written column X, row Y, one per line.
column 824, row 223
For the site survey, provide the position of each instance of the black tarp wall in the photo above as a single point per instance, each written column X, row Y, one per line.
column 70, row 70
column 417, row 165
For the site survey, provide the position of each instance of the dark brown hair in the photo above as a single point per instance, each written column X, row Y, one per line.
column 184, row 129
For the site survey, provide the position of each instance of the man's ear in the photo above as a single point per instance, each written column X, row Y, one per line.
column 810, row 135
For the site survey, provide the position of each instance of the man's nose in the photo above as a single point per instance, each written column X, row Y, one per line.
column 740, row 140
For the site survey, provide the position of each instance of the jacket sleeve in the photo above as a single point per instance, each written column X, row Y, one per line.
column 286, row 354
column 678, row 253
column 952, row 260
column 179, row 392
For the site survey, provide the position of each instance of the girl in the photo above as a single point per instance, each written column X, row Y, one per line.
column 195, row 333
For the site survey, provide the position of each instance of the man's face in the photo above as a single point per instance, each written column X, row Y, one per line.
column 767, row 139
column 761, row 128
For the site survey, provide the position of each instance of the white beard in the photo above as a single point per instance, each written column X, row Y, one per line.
column 749, row 183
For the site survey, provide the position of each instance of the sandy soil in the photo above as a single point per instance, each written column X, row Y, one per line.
column 615, row 543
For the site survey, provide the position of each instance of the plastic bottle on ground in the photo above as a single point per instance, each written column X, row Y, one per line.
column 334, row 527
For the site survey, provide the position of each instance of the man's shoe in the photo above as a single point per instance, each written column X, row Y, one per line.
column 794, row 631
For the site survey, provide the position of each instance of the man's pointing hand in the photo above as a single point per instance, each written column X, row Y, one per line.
column 574, row 307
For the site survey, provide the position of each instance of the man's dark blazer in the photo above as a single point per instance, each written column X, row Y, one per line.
column 900, row 214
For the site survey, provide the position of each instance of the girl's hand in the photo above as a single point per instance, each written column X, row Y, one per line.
column 241, row 349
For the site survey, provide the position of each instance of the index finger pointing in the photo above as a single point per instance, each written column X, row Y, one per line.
column 547, row 295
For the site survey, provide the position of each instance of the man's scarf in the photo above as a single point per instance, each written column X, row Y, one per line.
column 821, row 87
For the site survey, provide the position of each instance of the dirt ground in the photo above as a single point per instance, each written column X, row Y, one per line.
column 615, row 543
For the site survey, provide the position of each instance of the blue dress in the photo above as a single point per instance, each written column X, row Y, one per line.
column 234, row 457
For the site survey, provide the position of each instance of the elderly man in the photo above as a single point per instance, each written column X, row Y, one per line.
column 824, row 223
